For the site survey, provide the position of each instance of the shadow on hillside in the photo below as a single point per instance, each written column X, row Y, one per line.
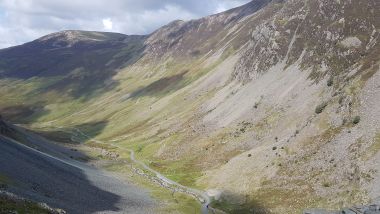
column 83, row 71
column 91, row 129
column 23, row 113
column 239, row 204
column 26, row 114
column 44, row 179
column 94, row 77
column 76, row 134
column 161, row 86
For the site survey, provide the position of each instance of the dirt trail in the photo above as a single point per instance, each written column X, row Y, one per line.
column 199, row 194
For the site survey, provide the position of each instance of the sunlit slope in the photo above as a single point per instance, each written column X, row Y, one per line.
column 269, row 104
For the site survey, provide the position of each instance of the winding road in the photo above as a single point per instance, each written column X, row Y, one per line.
column 206, row 200
column 67, row 184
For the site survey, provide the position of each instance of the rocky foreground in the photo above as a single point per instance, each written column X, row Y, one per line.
column 275, row 104
column 11, row 203
column 63, row 183
column 368, row 209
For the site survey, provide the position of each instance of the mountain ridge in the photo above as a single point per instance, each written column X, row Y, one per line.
column 271, row 104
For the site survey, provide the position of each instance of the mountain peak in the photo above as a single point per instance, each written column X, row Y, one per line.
column 69, row 38
column 281, row 96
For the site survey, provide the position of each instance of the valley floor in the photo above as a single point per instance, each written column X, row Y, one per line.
column 43, row 171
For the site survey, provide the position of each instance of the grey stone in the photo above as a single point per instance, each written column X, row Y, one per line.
column 367, row 209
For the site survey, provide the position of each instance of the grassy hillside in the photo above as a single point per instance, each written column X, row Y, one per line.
column 274, row 104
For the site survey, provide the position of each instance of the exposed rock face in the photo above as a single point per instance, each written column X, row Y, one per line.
column 369, row 209
column 324, row 35
column 274, row 105
column 197, row 37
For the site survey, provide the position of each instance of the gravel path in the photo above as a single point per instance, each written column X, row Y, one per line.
column 201, row 195
column 67, row 184
column 205, row 199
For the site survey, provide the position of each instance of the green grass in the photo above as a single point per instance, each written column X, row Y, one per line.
column 181, row 171
column 8, row 205
column 169, row 202
column 4, row 179
column 130, row 117
column 178, row 202
column 231, row 208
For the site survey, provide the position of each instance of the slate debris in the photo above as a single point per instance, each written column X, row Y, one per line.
column 367, row 209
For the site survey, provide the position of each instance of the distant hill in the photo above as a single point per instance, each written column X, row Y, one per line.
column 272, row 106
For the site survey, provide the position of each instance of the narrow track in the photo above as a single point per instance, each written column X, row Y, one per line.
column 201, row 195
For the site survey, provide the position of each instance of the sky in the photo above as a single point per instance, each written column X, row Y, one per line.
column 25, row 20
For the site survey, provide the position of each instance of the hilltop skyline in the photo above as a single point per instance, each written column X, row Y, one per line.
column 22, row 21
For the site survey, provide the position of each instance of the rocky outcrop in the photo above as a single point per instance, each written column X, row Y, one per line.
column 274, row 103
column 326, row 36
column 22, row 203
column 367, row 209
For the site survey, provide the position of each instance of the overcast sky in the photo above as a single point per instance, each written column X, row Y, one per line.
column 25, row 20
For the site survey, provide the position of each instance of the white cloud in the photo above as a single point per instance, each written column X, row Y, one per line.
column 107, row 24
column 24, row 20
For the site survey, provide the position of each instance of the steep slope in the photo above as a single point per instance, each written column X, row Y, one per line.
column 64, row 66
column 272, row 106
column 60, row 181
column 194, row 38
column 62, row 52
